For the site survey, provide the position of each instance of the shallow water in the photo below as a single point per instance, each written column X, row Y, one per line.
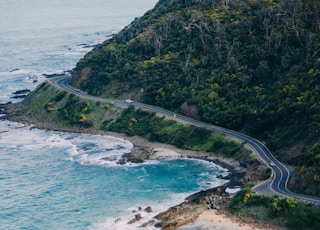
column 67, row 180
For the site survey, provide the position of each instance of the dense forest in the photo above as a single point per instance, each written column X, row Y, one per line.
column 247, row 65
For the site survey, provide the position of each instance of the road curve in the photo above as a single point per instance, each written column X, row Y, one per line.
column 277, row 185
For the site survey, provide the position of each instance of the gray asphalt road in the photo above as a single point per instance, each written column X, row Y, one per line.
column 277, row 185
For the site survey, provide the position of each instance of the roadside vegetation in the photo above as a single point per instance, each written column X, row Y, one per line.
column 50, row 105
column 286, row 212
column 160, row 129
column 248, row 65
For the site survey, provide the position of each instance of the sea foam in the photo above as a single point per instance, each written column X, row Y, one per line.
column 122, row 222
column 55, row 180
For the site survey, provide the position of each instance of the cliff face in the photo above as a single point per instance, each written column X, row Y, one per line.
column 248, row 65
column 306, row 180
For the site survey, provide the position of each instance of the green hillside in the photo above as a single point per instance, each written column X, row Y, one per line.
column 248, row 65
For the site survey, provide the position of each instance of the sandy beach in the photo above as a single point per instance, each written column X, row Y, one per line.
column 209, row 219
column 212, row 219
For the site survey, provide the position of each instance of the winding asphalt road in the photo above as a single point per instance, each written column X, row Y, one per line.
column 276, row 185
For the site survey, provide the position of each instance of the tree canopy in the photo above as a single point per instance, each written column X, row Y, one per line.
column 248, row 65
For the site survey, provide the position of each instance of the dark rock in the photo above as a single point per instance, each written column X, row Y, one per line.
column 122, row 161
column 64, row 73
column 5, row 104
column 110, row 35
column 136, row 218
column 85, row 45
column 23, row 91
column 89, row 46
column 3, row 109
column 51, row 75
column 117, row 220
column 148, row 209
column 13, row 70
column 32, row 77
column 20, row 93
column 200, row 196
column 149, row 223
column 192, row 207
column 137, row 155
column 18, row 96
column 85, row 148
column 82, row 44
column 139, row 209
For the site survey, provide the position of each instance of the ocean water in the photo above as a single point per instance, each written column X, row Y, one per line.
column 56, row 180
column 39, row 36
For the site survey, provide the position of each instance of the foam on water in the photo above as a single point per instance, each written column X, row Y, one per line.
column 121, row 222
column 205, row 180
column 39, row 37
column 56, row 180
column 83, row 173
column 97, row 150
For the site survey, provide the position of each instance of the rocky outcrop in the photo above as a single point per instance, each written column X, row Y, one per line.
column 184, row 213
column 192, row 207
column 3, row 108
column 148, row 209
column 137, row 155
column 81, row 75
column 20, row 93
column 306, row 180
column 14, row 70
column 136, row 218
column 63, row 73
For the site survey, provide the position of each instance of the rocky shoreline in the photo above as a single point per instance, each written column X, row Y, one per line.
column 194, row 205
column 189, row 210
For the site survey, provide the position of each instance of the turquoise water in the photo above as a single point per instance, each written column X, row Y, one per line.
column 56, row 180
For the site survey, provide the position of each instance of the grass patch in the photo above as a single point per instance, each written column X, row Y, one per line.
column 159, row 129
column 288, row 212
column 51, row 105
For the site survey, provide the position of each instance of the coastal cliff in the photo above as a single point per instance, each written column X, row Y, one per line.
column 244, row 65
column 42, row 109
column 240, row 64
